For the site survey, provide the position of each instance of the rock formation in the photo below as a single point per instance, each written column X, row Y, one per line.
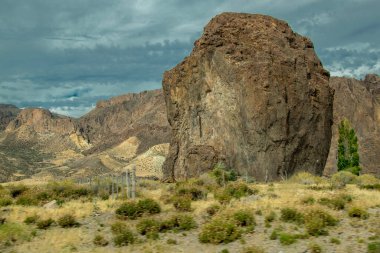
column 7, row 114
column 252, row 94
column 359, row 102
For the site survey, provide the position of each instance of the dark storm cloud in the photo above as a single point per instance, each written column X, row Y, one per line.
column 66, row 55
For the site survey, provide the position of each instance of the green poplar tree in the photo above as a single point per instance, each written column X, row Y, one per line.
column 348, row 156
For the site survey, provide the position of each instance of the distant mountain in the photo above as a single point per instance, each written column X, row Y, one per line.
column 119, row 130
column 359, row 102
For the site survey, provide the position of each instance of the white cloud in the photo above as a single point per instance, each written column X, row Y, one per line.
column 338, row 69
column 72, row 111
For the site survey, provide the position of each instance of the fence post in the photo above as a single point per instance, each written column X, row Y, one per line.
column 134, row 182
column 129, row 189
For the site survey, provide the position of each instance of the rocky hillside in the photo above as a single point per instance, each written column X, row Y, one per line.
column 108, row 138
column 7, row 114
column 253, row 95
column 359, row 102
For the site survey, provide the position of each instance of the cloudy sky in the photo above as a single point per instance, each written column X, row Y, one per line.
column 66, row 55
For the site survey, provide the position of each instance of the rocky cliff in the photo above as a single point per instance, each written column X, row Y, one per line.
column 252, row 94
column 359, row 102
column 7, row 114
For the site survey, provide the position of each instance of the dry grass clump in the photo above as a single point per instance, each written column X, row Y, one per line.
column 357, row 212
column 305, row 178
column 123, row 236
column 340, row 179
column 233, row 190
column 132, row 209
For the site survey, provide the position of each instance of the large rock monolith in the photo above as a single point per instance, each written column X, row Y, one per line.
column 253, row 95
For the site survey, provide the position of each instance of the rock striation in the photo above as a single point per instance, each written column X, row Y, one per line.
column 253, row 95
column 359, row 102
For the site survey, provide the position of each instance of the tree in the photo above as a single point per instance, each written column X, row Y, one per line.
column 348, row 156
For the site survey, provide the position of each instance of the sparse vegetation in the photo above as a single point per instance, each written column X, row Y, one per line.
column 218, row 231
column 123, row 236
column 291, row 215
column 45, row 224
column 100, row 241
column 67, row 221
column 235, row 190
column 182, row 203
column 317, row 220
column 357, row 212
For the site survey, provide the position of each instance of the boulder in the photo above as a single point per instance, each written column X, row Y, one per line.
column 252, row 95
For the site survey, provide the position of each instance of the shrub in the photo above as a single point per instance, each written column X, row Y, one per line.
column 316, row 221
column 45, row 224
column 308, row 200
column 129, row 210
column 182, row 203
column 16, row 190
column 148, row 206
column 99, row 240
column 6, row 201
column 181, row 222
column 274, row 235
column 368, row 181
column 26, row 201
column 31, row 219
column 244, row 218
column 336, row 203
column 149, row 228
column 287, row 239
column 67, row 221
column 223, row 175
column 234, row 190
column 213, row 209
column 341, row 179
column 122, row 234
column 13, row 232
column 171, row 241
column 291, row 215
column 270, row 217
column 219, row 231
column 315, row 248
column 195, row 193
column 335, row 240
column 373, row 247
column 358, row 212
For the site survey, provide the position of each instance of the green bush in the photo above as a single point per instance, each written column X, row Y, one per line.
column 219, row 230
column 171, row 241
column 335, row 240
column 291, row 215
column 31, row 219
column 123, row 236
column 253, row 249
column 14, row 232
column 67, row 221
column 149, row 228
column 244, row 218
column 287, row 239
column 223, row 175
column 373, row 247
column 357, row 212
column 26, row 201
column 308, row 200
column 129, row 210
column 316, row 221
column 368, row 181
column 45, row 224
column 148, row 206
column 334, row 203
column 195, row 193
column 315, row 248
column 5, row 201
column 213, row 209
column 182, row 203
column 16, row 190
column 99, row 240
column 180, row 222
column 270, row 217
column 234, row 190
column 341, row 179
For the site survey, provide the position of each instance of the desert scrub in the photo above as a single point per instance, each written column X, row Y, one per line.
column 193, row 192
column 270, row 217
column 219, row 230
column 31, row 219
column 171, row 241
column 182, row 203
column 149, row 228
column 244, row 218
column 308, row 200
column 291, row 215
column 341, row 179
column 148, row 206
column 234, row 190
column 315, row 248
column 132, row 210
column 368, row 181
column 16, row 190
column 122, row 234
column 213, row 209
column 99, row 240
column 305, row 178
column 5, row 201
column 334, row 240
column 336, row 203
column 68, row 221
column 45, row 224
column 357, row 212
column 223, row 175
column 27, row 200
column 317, row 220
column 253, row 249
column 181, row 222
column 287, row 239
column 13, row 232
column 373, row 247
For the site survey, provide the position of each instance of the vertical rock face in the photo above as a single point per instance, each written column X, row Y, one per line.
column 7, row 114
column 359, row 102
column 252, row 94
